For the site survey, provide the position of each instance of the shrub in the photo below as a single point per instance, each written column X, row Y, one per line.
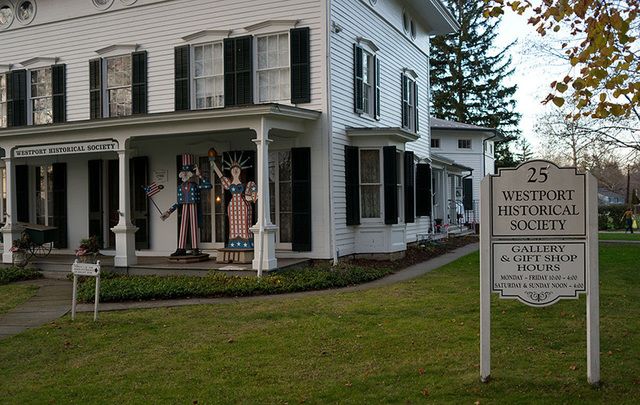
column 115, row 288
column 610, row 217
column 11, row 274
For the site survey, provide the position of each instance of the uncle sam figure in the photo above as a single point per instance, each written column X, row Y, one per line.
column 188, row 199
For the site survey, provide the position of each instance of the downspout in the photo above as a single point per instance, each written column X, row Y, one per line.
column 332, row 218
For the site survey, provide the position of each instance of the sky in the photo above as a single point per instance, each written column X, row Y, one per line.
column 533, row 74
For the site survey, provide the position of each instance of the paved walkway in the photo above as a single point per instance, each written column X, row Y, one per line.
column 51, row 301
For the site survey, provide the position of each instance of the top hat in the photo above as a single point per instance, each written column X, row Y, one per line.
column 187, row 162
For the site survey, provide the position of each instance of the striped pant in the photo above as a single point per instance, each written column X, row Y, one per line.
column 189, row 218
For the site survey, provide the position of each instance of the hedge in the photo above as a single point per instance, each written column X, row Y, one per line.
column 610, row 217
column 12, row 274
column 115, row 288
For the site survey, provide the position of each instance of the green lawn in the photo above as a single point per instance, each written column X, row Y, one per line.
column 395, row 344
column 619, row 236
column 12, row 295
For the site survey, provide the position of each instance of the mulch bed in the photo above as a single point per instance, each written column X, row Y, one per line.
column 417, row 254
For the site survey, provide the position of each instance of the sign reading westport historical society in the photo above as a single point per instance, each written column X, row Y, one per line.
column 538, row 244
column 66, row 148
column 538, row 200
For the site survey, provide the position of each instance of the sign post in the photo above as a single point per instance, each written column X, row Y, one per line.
column 88, row 270
column 539, row 244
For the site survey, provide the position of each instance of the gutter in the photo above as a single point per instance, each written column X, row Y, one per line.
column 332, row 217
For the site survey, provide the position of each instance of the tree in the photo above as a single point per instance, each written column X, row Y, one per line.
column 524, row 151
column 603, row 56
column 467, row 77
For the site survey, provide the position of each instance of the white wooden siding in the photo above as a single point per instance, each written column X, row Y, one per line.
column 156, row 27
column 381, row 24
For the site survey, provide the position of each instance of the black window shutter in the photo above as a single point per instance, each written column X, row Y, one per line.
column 390, row 185
column 405, row 105
column 139, row 82
column 358, row 83
column 467, row 190
column 59, row 92
column 376, row 99
column 301, row 204
column 417, row 115
column 182, row 72
column 423, row 190
column 238, row 71
column 95, row 88
column 300, row 66
column 60, row 204
column 17, row 98
column 409, row 194
column 352, row 182
column 138, row 177
column 22, row 193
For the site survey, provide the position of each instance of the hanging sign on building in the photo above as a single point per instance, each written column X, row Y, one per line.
column 108, row 145
column 539, row 244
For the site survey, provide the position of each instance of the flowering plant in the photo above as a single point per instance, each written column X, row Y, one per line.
column 88, row 246
column 20, row 245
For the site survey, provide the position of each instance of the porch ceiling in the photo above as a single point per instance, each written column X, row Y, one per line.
column 280, row 118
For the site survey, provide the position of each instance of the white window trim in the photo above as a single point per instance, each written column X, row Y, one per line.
column 30, row 99
column 255, row 70
column 206, row 36
column 409, row 75
column 276, row 199
column 105, row 85
column 5, row 115
column 465, row 140
column 370, row 48
column 380, row 184
column 400, row 184
column 192, row 70
column 267, row 26
column 117, row 50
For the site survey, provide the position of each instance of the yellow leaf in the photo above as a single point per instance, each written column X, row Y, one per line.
column 558, row 101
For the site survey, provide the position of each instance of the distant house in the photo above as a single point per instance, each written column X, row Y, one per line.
column 608, row 197
column 468, row 146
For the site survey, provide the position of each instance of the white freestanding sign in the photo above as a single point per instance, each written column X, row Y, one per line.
column 539, row 244
column 87, row 270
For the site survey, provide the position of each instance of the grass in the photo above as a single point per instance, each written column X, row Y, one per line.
column 619, row 236
column 404, row 343
column 13, row 295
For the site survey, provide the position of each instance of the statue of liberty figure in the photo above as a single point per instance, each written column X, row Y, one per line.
column 239, row 210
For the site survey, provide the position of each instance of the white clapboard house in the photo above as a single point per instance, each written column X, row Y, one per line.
column 472, row 149
column 328, row 98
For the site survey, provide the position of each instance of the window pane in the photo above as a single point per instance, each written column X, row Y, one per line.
column 285, row 197
column 284, row 160
column 370, row 196
column 369, row 166
column 285, row 228
column 120, row 102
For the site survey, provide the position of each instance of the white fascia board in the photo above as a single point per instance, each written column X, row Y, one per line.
column 435, row 15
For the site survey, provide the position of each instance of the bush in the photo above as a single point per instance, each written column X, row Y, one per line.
column 114, row 288
column 11, row 274
column 610, row 217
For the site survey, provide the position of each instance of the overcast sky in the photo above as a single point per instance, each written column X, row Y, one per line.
column 533, row 72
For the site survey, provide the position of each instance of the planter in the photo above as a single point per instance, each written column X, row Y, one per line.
column 88, row 258
column 20, row 258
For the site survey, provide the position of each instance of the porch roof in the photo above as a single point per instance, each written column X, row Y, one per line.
column 449, row 162
column 283, row 117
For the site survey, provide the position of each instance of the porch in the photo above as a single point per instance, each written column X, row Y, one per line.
column 59, row 266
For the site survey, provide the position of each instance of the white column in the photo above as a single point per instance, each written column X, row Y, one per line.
column 485, row 281
column 593, row 285
column 124, row 231
column 264, row 231
column 11, row 231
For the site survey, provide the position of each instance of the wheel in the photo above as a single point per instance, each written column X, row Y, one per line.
column 40, row 251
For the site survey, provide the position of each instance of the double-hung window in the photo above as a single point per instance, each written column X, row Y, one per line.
column 464, row 143
column 208, row 76
column 370, row 183
column 366, row 80
column 118, row 84
column 3, row 101
column 273, row 71
column 41, row 97
column 118, row 88
column 410, row 118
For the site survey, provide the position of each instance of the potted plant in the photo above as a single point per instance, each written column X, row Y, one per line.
column 88, row 250
column 20, row 250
